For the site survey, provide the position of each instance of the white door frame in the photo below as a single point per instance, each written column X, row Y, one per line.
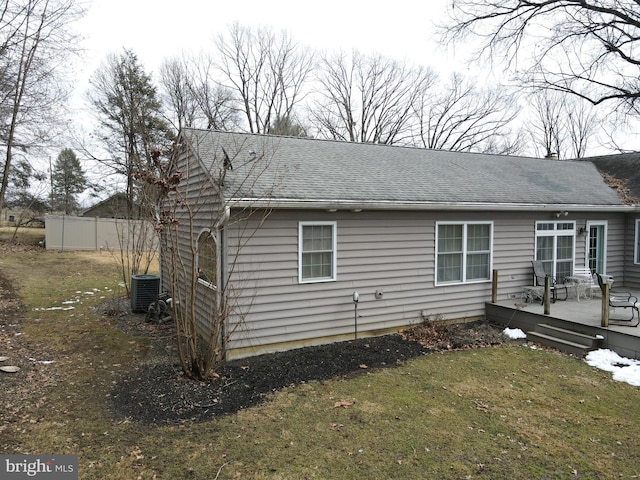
column 598, row 223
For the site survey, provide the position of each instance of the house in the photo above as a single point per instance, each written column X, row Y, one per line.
column 115, row 206
column 294, row 227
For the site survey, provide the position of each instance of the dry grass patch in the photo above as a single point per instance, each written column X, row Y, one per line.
column 23, row 235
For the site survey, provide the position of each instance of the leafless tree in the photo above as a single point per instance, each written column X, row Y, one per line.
column 368, row 98
column 176, row 93
column 196, row 221
column 465, row 117
column 268, row 73
column 587, row 48
column 194, row 98
column 546, row 124
column 35, row 41
column 583, row 123
column 561, row 124
column 215, row 100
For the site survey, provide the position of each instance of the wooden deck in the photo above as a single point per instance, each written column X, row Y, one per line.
column 583, row 317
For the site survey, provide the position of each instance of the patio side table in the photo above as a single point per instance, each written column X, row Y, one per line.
column 581, row 284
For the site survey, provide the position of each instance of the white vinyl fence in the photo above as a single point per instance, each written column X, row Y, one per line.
column 64, row 232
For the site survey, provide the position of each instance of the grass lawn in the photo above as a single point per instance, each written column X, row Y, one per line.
column 505, row 412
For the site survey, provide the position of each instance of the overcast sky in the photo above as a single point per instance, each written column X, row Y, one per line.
column 154, row 31
column 402, row 29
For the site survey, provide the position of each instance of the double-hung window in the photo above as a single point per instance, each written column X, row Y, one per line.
column 463, row 252
column 316, row 251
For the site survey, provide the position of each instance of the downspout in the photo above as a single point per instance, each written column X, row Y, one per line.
column 222, row 284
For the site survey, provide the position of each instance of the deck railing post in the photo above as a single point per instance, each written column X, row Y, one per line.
column 547, row 296
column 605, row 305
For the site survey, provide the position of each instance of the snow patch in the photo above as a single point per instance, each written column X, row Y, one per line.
column 514, row 333
column 623, row 369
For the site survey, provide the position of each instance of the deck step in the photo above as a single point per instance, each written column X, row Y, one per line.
column 565, row 340
column 576, row 337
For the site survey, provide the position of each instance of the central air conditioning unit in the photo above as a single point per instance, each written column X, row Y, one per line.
column 144, row 291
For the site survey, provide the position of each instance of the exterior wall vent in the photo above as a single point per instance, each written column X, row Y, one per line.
column 144, row 291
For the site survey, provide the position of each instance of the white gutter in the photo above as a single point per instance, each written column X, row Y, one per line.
column 326, row 204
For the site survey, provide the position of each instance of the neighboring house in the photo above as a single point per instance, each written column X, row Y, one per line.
column 295, row 226
column 14, row 217
column 115, row 206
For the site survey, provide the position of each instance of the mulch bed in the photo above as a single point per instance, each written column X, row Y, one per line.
column 161, row 394
column 158, row 393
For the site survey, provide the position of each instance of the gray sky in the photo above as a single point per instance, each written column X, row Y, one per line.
column 157, row 30
column 402, row 29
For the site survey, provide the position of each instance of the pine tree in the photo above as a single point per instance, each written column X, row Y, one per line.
column 131, row 124
column 68, row 180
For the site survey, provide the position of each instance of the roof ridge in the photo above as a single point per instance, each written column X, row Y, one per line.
column 379, row 145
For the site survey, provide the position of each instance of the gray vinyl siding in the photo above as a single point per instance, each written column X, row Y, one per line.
column 616, row 247
column 632, row 270
column 200, row 194
column 393, row 252
column 388, row 250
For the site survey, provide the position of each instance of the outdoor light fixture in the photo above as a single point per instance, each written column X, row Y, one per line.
column 561, row 214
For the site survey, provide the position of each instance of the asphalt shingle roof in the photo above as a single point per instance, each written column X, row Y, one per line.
column 324, row 170
column 623, row 167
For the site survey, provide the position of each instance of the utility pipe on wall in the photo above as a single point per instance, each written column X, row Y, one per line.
column 356, row 299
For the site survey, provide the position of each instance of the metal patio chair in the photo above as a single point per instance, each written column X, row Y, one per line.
column 540, row 274
column 620, row 299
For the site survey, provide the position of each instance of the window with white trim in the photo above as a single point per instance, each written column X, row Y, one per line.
column 463, row 252
column 637, row 243
column 207, row 258
column 555, row 247
column 316, row 251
